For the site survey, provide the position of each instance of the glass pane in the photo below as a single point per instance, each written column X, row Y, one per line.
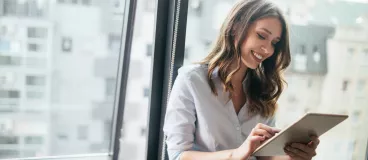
column 134, row 131
column 58, row 76
column 328, row 72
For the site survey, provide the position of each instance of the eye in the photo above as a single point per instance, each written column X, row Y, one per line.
column 274, row 43
column 260, row 36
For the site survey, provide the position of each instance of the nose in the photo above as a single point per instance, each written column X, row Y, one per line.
column 267, row 50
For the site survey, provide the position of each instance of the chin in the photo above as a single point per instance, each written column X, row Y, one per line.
column 251, row 66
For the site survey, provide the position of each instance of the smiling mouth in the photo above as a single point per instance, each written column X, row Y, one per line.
column 257, row 55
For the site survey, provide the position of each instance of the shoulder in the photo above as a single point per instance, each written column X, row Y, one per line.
column 193, row 72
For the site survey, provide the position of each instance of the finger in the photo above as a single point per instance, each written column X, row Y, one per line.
column 261, row 132
column 292, row 155
column 276, row 130
column 303, row 148
column 256, row 139
column 297, row 152
column 267, row 128
column 315, row 141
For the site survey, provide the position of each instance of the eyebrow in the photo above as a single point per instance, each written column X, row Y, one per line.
column 269, row 32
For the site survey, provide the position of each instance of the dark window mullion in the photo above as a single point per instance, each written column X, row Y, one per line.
column 169, row 46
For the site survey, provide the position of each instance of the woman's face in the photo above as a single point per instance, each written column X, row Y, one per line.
column 260, row 41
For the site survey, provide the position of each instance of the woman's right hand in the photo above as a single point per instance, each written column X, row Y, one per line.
column 257, row 136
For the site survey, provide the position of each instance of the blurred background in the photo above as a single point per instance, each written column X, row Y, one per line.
column 59, row 59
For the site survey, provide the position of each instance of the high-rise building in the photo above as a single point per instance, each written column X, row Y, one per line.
column 26, row 34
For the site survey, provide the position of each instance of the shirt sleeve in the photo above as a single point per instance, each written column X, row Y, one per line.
column 179, row 125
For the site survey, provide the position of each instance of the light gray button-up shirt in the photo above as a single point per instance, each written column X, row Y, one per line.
column 198, row 120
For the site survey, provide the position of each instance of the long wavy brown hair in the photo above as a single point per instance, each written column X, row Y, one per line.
column 263, row 85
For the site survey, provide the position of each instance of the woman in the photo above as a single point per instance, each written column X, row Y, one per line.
column 223, row 108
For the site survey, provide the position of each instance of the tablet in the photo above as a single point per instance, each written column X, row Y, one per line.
column 299, row 132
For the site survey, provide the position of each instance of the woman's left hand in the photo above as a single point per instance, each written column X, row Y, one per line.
column 298, row 151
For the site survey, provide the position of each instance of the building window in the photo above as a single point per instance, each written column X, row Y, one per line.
column 9, row 94
column 4, row 46
column 302, row 49
column 34, row 32
column 143, row 131
column 356, row 116
column 35, row 80
column 360, row 85
column 149, row 50
column 110, row 86
column 316, row 54
column 62, row 136
column 345, row 85
column 8, row 153
column 10, row 7
column 186, row 53
column 9, row 140
column 75, row 1
column 114, row 43
column 34, row 47
column 9, row 60
column 82, row 132
column 146, row 92
column 33, row 140
column 351, row 52
column 61, row 1
column 66, row 44
column 300, row 59
column 310, row 83
column 86, row 2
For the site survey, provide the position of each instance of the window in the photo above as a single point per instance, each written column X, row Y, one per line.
column 82, row 132
column 356, row 116
column 35, row 32
column 33, row 140
column 9, row 94
column 300, row 59
column 8, row 153
column 302, row 49
column 62, row 137
column 86, row 2
column 149, row 49
column 34, row 47
column 361, row 85
column 114, row 43
column 35, row 80
column 9, row 60
column 345, row 85
column 146, row 92
column 4, row 46
column 66, row 44
column 186, row 53
column 143, row 131
column 53, row 91
column 9, row 140
column 316, row 54
column 110, row 86
column 310, row 83
column 351, row 52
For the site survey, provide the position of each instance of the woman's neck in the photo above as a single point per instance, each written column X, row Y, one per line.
column 238, row 76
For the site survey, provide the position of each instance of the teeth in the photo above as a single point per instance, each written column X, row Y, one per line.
column 257, row 55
